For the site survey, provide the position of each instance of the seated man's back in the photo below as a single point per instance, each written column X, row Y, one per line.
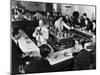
column 82, row 60
column 38, row 65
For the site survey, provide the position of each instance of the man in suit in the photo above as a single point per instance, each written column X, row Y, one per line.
column 16, row 52
column 40, row 64
column 83, row 60
column 19, row 58
column 84, row 18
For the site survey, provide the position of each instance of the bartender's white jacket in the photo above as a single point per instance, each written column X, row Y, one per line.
column 60, row 24
column 41, row 39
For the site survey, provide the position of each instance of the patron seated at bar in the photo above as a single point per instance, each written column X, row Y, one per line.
column 18, row 14
column 40, row 64
column 41, row 33
column 66, row 19
column 84, row 20
column 20, row 54
column 74, row 19
column 16, row 51
column 28, row 46
column 83, row 60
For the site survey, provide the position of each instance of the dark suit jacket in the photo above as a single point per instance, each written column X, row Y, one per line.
column 16, row 54
column 82, row 60
column 38, row 65
column 83, row 21
column 89, row 26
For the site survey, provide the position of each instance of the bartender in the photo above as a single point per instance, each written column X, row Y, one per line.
column 41, row 33
column 59, row 24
